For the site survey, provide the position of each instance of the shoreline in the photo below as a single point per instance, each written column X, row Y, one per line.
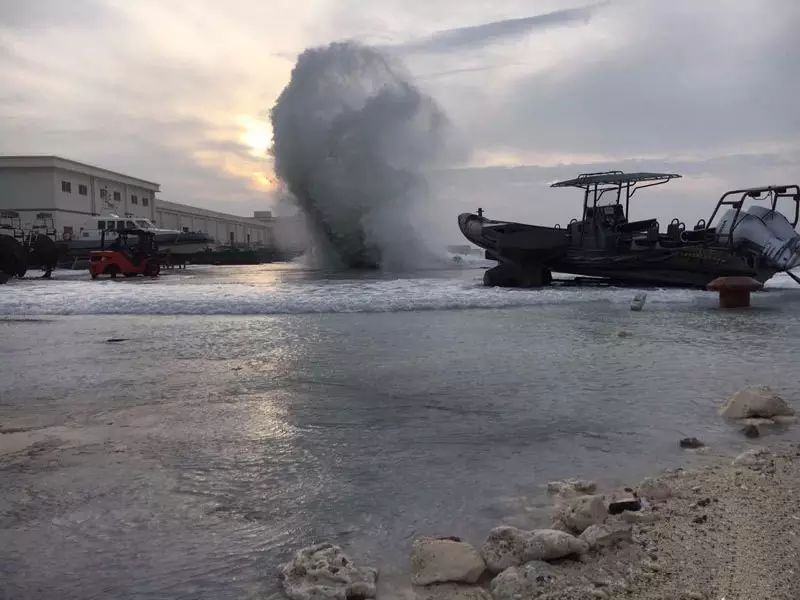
column 725, row 527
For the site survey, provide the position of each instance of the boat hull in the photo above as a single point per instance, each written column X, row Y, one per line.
column 514, row 242
column 532, row 252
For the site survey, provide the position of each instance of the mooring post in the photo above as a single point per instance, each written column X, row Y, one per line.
column 734, row 292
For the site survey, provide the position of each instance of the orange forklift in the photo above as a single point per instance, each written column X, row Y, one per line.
column 124, row 258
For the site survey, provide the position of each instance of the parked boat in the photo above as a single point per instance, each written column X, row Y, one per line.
column 170, row 241
column 603, row 243
column 24, row 249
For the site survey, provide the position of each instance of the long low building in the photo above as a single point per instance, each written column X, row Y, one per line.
column 224, row 228
column 75, row 195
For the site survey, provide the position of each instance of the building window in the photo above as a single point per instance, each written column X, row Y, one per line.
column 66, row 186
column 101, row 224
column 134, row 200
column 145, row 201
column 116, row 196
column 232, row 237
column 103, row 193
column 82, row 189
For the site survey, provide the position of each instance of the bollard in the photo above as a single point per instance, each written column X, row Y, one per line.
column 734, row 292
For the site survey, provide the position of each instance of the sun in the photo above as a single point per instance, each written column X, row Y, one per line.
column 255, row 134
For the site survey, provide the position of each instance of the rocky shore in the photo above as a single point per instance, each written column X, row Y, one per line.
column 727, row 530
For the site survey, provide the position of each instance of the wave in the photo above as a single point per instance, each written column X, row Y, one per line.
column 162, row 297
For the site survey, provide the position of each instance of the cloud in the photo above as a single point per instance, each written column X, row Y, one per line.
column 174, row 91
column 647, row 79
column 524, row 194
column 38, row 14
column 477, row 35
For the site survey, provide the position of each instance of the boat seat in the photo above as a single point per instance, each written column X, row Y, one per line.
column 637, row 226
column 699, row 235
column 674, row 231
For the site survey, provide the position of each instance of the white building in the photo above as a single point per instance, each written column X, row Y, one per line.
column 224, row 228
column 76, row 194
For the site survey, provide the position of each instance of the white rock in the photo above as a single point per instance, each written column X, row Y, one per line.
column 549, row 544
column 521, row 583
column 572, row 487
column 654, row 489
column 640, row 517
column 510, row 547
column 757, row 421
column 504, row 548
column 638, row 301
column 576, row 514
column 785, row 419
column 439, row 561
column 753, row 457
column 755, row 402
column 324, row 572
column 599, row 536
column 451, row 591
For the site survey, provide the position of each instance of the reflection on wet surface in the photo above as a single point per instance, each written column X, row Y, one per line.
column 189, row 460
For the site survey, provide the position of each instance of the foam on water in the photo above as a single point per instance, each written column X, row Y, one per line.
column 214, row 291
column 315, row 296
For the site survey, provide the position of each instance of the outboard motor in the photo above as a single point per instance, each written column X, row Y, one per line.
column 766, row 230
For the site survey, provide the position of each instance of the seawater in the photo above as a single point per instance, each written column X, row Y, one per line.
column 253, row 410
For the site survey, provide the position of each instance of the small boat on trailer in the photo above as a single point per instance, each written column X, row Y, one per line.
column 756, row 242
column 170, row 241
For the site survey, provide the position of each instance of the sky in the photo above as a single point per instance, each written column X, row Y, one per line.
column 179, row 92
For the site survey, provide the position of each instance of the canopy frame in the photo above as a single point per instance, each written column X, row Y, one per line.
column 595, row 185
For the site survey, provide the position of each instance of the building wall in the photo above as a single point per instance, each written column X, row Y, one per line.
column 30, row 185
column 72, row 200
column 34, row 184
column 27, row 188
column 173, row 215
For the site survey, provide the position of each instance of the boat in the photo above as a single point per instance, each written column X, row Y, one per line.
column 236, row 255
column 757, row 241
column 21, row 249
column 170, row 241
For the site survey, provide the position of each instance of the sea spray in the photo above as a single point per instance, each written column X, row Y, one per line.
column 352, row 139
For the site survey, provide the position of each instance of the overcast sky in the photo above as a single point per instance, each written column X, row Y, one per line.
column 179, row 91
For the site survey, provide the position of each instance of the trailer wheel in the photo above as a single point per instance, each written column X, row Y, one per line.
column 152, row 268
column 508, row 275
column 13, row 257
column 112, row 271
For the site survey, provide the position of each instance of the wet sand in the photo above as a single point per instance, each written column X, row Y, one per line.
column 727, row 532
column 742, row 545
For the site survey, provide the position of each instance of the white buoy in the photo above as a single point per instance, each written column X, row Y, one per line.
column 638, row 301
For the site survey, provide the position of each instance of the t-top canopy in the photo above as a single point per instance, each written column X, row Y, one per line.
column 584, row 180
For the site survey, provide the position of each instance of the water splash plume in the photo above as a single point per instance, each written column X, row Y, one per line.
column 352, row 140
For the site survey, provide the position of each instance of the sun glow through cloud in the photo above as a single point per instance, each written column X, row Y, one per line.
column 256, row 134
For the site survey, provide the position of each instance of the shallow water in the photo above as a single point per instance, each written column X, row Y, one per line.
column 253, row 410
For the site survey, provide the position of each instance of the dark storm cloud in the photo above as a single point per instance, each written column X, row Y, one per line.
column 478, row 35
